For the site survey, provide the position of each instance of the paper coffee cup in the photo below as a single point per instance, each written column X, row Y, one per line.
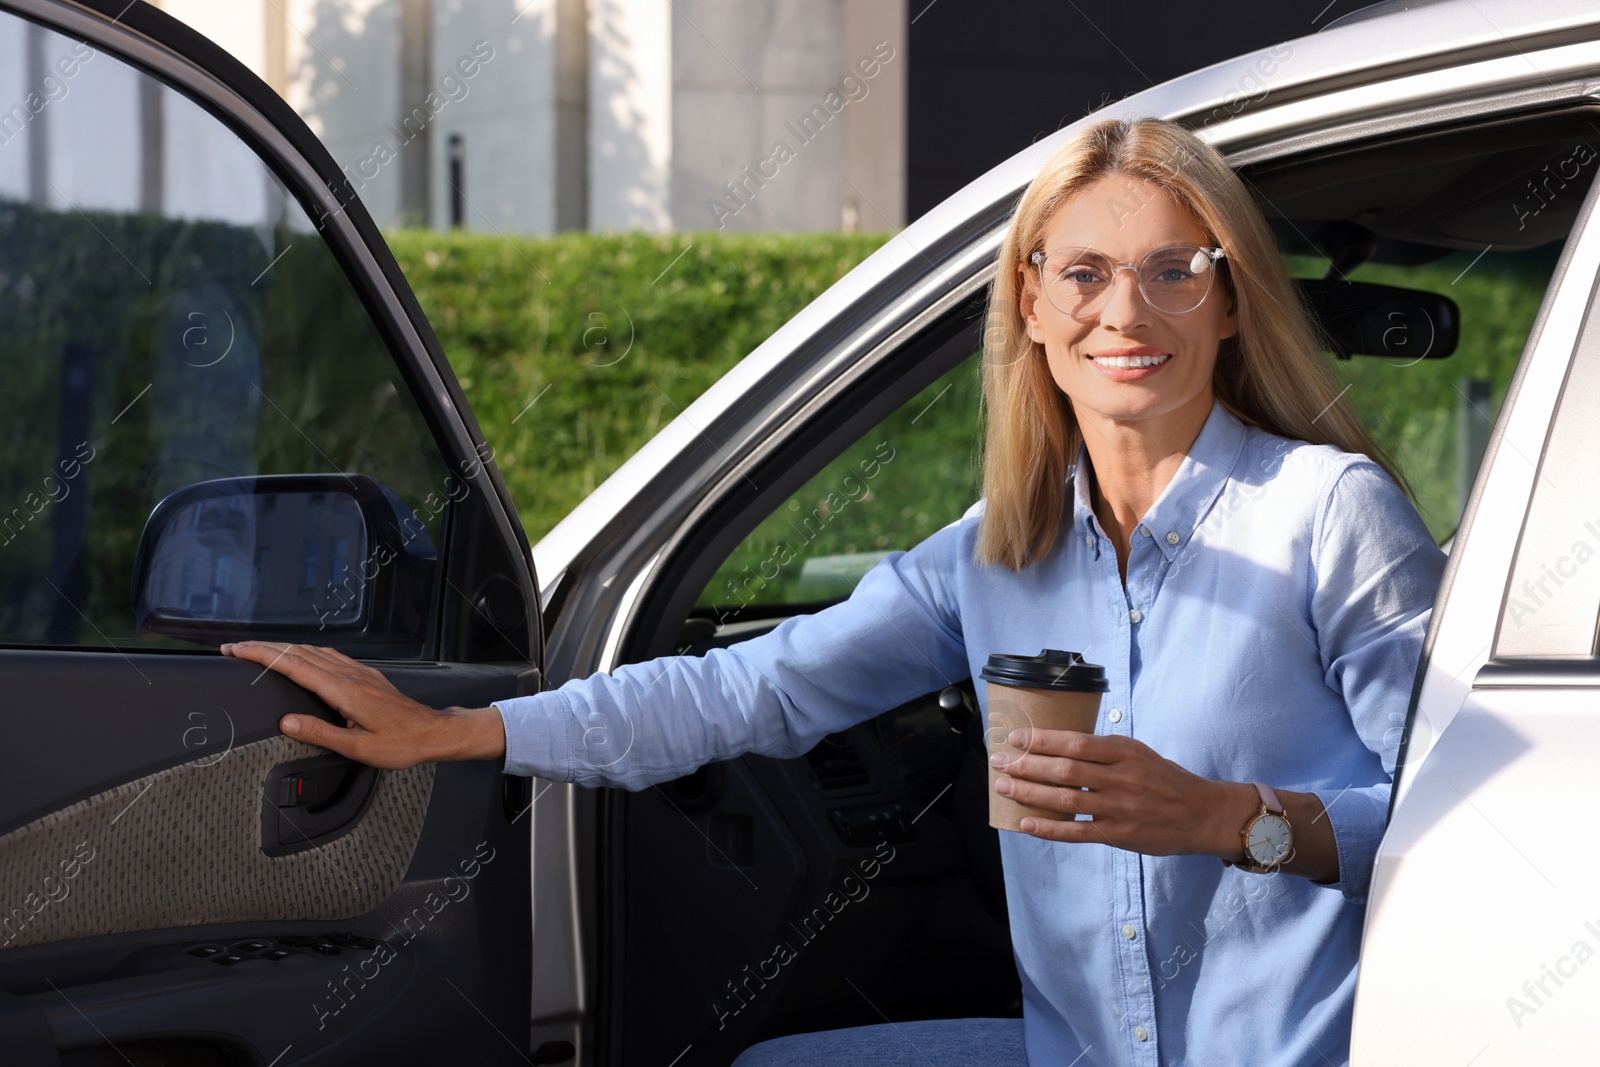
column 1055, row 690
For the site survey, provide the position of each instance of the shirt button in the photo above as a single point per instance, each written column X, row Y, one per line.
column 1116, row 715
column 1088, row 540
column 1144, row 530
column 1135, row 616
column 1129, row 932
column 1172, row 537
column 1141, row 1033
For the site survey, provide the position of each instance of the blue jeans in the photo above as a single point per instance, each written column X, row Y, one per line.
column 928, row 1043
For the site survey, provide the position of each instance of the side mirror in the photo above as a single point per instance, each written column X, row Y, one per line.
column 310, row 558
column 1364, row 319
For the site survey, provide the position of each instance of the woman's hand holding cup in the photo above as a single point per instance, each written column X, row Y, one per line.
column 1138, row 800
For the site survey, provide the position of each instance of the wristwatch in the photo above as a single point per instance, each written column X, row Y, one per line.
column 1268, row 838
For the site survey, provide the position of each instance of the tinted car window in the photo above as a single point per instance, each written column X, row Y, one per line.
column 170, row 317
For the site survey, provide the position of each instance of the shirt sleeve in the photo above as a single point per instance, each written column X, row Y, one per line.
column 896, row 637
column 1375, row 570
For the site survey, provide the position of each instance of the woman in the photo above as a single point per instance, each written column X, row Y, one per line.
column 1174, row 487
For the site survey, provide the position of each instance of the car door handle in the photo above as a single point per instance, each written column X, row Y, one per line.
column 309, row 802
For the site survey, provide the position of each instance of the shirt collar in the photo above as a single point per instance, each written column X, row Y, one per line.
column 1178, row 511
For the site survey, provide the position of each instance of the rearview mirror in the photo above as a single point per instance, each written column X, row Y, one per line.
column 314, row 558
column 1364, row 319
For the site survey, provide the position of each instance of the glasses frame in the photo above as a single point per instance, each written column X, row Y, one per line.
column 1213, row 252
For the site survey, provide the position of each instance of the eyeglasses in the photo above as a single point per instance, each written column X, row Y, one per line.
column 1174, row 280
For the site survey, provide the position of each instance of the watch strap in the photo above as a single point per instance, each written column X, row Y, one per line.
column 1269, row 798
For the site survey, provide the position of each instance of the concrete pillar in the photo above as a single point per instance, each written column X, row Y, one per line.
column 338, row 66
column 630, row 114
column 572, row 115
column 789, row 115
column 494, row 84
column 274, row 49
column 36, row 69
column 416, row 69
column 874, row 167
column 756, row 146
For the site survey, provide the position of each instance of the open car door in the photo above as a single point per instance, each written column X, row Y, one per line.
column 225, row 417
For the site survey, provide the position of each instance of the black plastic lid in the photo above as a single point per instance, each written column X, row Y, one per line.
column 1052, row 668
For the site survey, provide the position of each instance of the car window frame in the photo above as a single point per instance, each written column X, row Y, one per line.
column 1568, row 624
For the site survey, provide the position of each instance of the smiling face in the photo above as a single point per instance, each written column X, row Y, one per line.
column 1124, row 218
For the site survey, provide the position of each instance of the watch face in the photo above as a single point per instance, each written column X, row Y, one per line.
column 1268, row 843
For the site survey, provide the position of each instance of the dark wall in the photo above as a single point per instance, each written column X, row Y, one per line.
column 987, row 78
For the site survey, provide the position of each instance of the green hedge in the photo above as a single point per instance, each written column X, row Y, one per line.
column 608, row 337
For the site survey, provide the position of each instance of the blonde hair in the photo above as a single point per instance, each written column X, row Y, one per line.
column 1269, row 374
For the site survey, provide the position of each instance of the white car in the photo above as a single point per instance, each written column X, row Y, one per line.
column 226, row 416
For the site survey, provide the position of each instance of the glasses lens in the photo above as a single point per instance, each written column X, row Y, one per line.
column 1177, row 279
column 1076, row 280
column 1174, row 279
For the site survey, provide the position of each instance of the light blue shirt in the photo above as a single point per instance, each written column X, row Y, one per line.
column 1276, row 601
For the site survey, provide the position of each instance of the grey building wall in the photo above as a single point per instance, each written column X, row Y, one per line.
column 787, row 115
column 708, row 114
column 534, row 116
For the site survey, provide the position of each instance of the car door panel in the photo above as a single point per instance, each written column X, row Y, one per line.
column 72, row 759
column 108, row 892
column 150, row 871
column 1484, row 902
